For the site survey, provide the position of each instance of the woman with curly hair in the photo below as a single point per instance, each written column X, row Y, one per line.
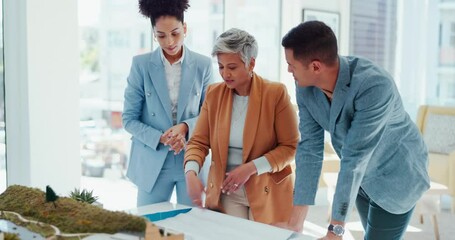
column 163, row 97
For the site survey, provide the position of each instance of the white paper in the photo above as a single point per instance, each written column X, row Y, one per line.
column 202, row 224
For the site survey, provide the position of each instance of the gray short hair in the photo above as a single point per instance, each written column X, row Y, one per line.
column 237, row 41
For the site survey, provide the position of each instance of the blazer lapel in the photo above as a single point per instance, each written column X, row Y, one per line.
column 252, row 116
column 322, row 106
column 322, row 101
column 186, row 83
column 224, row 124
column 158, row 77
column 340, row 92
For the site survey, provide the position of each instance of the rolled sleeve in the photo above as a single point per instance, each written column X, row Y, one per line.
column 192, row 165
column 262, row 165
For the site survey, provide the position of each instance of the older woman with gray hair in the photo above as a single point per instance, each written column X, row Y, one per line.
column 250, row 126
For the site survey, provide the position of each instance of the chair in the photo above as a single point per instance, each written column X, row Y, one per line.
column 429, row 204
column 437, row 125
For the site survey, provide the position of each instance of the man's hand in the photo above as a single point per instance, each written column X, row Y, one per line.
column 295, row 222
column 330, row 235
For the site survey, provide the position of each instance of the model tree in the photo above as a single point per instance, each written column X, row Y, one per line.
column 51, row 196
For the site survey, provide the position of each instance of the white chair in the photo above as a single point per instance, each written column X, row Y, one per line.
column 437, row 125
column 429, row 204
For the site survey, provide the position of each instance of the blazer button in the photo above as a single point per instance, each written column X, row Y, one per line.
column 197, row 94
column 153, row 114
column 148, row 94
column 266, row 189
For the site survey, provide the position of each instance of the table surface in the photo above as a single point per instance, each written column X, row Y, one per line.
column 204, row 224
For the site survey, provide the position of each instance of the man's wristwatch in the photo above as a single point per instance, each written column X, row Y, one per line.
column 336, row 229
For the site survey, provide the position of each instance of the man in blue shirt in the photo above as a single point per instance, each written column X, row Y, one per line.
column 383, row 167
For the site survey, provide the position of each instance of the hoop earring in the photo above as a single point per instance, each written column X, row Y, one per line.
column 251, row 74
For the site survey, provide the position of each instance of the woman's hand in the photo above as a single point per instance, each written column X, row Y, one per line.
column 296, row 220
column 174, row 137
column 238, row 177
column 195, row 188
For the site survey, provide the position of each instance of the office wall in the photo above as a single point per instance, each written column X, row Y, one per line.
column 292, row 16
column 42, row 94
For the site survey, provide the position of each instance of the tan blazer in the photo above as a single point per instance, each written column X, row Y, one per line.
column 270, row 131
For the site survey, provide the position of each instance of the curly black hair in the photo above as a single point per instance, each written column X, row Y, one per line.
column 155, row 9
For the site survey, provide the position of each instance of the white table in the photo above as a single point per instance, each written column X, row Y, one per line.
column 201, row 224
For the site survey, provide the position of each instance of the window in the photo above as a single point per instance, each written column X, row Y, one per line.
column 204, row 21
column 118, row 38
column 262, row 19
column 111, row 33
column 2, row 110
column 452, row 35
column 445, row 88
column 373, row 31
column 447, row 39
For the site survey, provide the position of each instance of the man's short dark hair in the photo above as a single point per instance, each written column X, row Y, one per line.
column 312, row 40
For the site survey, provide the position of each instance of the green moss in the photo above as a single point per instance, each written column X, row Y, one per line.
column 71, row 238
column 70, row 216
column 10, row 236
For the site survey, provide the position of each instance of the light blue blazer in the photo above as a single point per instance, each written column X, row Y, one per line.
column 380, row 148
column 147, row 110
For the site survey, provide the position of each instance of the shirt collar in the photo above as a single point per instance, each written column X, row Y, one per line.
column 164, row 60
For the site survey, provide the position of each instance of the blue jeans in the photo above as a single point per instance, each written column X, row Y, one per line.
column 171, row 175
column 378, row 223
